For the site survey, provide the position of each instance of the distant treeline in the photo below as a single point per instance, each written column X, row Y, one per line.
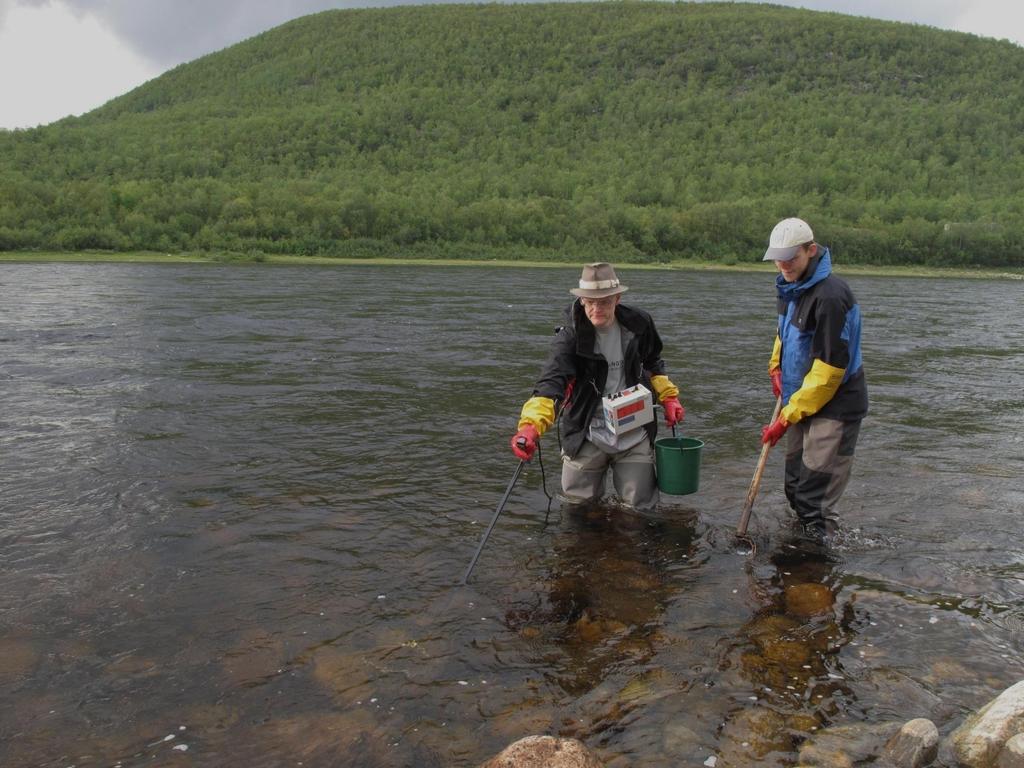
column 639, row 131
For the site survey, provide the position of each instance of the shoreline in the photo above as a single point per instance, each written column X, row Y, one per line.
column 688, row 265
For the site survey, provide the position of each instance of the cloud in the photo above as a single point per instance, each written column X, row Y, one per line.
column 931, row 12
column 85, row 65
column 169, row 32
column 993, row 18
column 989, row 18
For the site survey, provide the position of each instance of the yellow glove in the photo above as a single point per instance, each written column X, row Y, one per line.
column 664, row 387
column 538, row 411
column 818, row 387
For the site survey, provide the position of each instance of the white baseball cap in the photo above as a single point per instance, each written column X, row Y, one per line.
column 786, row 239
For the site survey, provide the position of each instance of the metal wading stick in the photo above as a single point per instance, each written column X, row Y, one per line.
column 501, row 506
column 755, row 482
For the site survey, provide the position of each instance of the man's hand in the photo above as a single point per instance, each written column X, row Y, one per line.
column 524, row 442
column 774, row 431
column 775, row 374
column 674, row 411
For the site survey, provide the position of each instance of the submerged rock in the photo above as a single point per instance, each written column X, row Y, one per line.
column 978, row 742
column 901, row 695
column 635, row 690
column 17, row 658
column 753, row 735
column 591, row 629
column 846, row 746
column 346, row 674
column 544, row 752
column 680, row 741
column 320, row 738
column 535, row 715
column 771, row 627
column 257, row 655
column 803, row 724
column 806, row 600
column 790, row 654
column 947, row 672
column 822, row 755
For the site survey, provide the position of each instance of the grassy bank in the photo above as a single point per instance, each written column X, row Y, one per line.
column 96, row 257
column 148, row 257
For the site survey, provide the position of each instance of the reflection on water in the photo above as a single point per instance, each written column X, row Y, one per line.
column 790, row 655
column 602, row 602
column 237, row 504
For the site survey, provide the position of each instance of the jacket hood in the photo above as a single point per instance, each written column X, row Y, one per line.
column 819, row 271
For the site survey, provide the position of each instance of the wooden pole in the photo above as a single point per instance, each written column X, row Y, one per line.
column 755, row 482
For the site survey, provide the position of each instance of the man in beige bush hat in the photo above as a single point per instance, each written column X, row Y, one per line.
column 603, row 348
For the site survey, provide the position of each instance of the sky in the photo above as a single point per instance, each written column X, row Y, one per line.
column 67, row 57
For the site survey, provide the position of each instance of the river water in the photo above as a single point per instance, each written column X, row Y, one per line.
column 238, row 502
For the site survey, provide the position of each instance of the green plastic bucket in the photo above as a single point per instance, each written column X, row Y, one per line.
column 678, row 462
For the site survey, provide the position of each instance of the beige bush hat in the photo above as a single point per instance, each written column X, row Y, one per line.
column 597, row 281
column 786, row 239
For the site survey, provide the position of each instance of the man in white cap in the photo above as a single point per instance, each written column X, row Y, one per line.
column 604, row 348
column 816, row 369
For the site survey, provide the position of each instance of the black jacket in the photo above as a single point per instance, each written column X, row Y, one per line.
column 573, row 361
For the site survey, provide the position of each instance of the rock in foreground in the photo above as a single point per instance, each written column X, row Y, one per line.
column 545, row 752
column 978, row 742
column 915, row 745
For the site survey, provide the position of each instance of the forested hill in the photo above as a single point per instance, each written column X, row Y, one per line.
column 633, row 131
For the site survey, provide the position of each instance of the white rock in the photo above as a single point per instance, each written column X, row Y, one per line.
column 978, row 741
column 548, row 751
column 1012, row 755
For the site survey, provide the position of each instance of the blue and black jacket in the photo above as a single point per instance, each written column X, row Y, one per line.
column 818, row 346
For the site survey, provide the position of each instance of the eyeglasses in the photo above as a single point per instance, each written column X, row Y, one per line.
column 605, row 302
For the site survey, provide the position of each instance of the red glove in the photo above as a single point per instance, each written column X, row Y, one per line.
column 775, row 374
column 774, row 431
column 674, row 412
column 524, row 442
